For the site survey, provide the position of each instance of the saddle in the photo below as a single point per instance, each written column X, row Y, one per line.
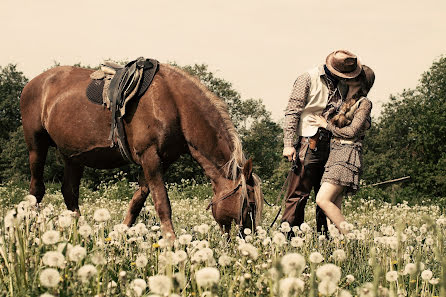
column 113, row 86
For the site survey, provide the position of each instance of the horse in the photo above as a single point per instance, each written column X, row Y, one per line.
column 177, row 115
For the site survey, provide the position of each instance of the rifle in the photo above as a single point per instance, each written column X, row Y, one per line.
column 397, row 180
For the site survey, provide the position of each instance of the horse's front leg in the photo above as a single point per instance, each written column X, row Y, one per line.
column 152, row 166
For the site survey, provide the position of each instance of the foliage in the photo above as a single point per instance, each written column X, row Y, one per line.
column 410, row 136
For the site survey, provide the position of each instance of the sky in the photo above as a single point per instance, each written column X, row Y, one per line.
column 259, row 46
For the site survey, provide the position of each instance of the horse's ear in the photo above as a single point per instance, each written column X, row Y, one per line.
column 247, row 169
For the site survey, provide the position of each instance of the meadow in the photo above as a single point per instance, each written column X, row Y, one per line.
column 390, row 250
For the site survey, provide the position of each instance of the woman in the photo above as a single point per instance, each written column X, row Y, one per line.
column 343, row 167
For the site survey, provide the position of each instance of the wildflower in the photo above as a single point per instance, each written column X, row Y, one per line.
column 350, row 278
column 426, row 275
column 141, row 229
column 64, row 221
column 291, row 286
column 329, row 272
column 366, row 290
column 247, row 231
column 85, row 231
column 50, row 237
column 297, row 242
column 31, row 199
column 410, row 268
column 86, row 272
column 98, row 259
column 205, row 254
column 120, row 228
column 224, row 260
column 316, row 258
column 434, row 281
column 185, row 239
column 305, row 228
column 391, row 276
column 160, row 284
column 101, row 215
column 139, row 282
column 285, row 227
column 49, row 278
column 247, row 249
column 327, row 287
column 77, row 253
column 54, row 259
column 279, row 239
column 293, row 264
column 344, row 293
column 179, row 257
column 207, row 276
column 46, row 295
column 141, row 261
column 202, row 229
column 339, row 255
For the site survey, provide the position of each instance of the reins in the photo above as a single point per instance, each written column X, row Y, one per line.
column 285, row 185
column 225, row 196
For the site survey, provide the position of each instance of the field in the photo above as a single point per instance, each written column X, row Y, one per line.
column 391, row 250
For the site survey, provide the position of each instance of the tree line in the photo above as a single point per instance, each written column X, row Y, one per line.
column 409, row 137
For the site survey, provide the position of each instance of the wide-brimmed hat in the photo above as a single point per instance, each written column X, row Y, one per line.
column 343, row 64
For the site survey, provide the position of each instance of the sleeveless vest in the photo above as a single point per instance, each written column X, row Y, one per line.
column 316, row 102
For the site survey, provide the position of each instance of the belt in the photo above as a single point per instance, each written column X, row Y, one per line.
column 345, row 141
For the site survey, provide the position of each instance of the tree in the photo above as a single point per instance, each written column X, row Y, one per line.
column 410, row 136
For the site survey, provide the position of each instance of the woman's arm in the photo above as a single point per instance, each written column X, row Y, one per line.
column 360, row 120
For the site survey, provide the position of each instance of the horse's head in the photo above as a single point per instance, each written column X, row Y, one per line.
column 239, row 201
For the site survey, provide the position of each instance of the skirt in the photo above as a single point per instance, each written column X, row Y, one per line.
column 344, row 165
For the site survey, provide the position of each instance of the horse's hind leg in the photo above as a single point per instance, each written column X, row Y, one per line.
column 137, row 202
column 70, row 185
column 38, row 144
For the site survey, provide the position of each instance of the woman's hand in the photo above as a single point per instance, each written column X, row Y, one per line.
column 317, row 120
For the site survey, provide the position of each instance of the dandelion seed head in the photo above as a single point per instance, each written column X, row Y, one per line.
column 207, row 276
column 49, row 278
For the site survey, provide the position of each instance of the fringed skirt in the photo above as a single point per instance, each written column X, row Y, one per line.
column 344, row 165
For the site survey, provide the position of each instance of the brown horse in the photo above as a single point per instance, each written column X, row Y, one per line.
column 176, row 115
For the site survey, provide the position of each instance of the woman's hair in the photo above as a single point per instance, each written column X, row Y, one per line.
column 358, row 87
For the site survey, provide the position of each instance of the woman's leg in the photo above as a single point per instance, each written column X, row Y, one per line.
column 329, row 193
column 338, row 200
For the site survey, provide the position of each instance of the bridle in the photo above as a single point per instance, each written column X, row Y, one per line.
column 229, row 194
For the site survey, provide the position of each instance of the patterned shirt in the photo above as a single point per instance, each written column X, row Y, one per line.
column 298, row 100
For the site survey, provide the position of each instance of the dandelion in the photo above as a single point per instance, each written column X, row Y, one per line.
column 207, row 276
column 101, row 215
column 185, row 239
column 291, row 286
column 293, row 264
column 350, row 278
column 49, row 278
column 426, row 275
column 366, row 290
column 279, row 239
column 224, row 260
column 344, row 293
column 50, row 237
column 85, row 231
column 327, row 287
column 247, row 249
column 64, row 221
column 304, row 227
column 141, row 261
column 339, row 255
column 410, row 268
column 46, row 295
column 297, row 242
column 31, row 199
column 285, row 227
column 179, row 257
column 247, row 231
column 391, row 276
column 139, row 282
column 316, row 258
column 434, row 281
column 77, row 253
column 54, row 259
column 160, row 284
column 329, row 272
column 98, row 259
column 202, row 229
column 86, row 272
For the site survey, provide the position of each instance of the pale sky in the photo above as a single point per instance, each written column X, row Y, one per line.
column 259, row 46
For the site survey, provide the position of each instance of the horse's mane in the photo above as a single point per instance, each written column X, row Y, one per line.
column 237, row 159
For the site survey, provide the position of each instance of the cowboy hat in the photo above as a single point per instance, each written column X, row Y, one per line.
column 343, row 64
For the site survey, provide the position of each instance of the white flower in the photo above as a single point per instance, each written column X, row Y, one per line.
column 139, row 282
column 50, row 237
column 339, row 255
column 86, row 272
column 224, row 260
column 101, row 215
column 85, row 231
column 329, row 272
column 305, row 228
column 141, row 229
column 316, row 258
column 285, row 227
column 327, row 288
column 31, row 199
column 98, row 259
column 49, row 278
column 279, row 239
column 344, row 293
column 141, row 261
column 247, row 231
column 293, row 264
column 350, row 278
column 77, row 253
column 202, row 229
column 185, row 239
column 391, row 276
column 434, row 281
column 64, row 221
column 291, row 286
column 426, row 275
column 120, row 228
column 160, row 284
column 410, row 268
column 179, row 257
column 46, row 295
column 297, row 242
column 366, row 290
column 54, row 259
column 207, row 276
column 247, row 249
